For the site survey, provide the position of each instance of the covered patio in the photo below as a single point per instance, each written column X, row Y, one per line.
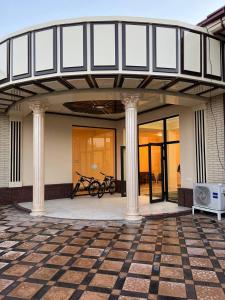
column 107, row 208
column 112, row 73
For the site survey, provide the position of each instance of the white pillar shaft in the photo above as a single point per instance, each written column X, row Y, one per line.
column 131, row 160
column 38, row 160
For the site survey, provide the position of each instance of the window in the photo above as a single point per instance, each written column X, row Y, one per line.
column 93, row 151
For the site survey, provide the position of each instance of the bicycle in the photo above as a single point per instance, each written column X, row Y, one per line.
column 92, row 185
column 108, row 184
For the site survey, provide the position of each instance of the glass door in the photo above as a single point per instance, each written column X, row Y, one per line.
column 123, row 171
column 173, row 171
column 156, row 167
column 151, row 172
column 144, row 171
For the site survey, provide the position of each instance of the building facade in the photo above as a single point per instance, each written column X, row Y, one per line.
column 136, row 98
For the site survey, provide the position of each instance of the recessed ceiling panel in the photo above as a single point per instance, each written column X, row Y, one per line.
column 34, row 88
column 55, row 85
column 214, row 93
column 156, row 84
column 97, row 107
column 198, row 89
column 105, row 83
column 79, row 83
column 180, row 85
column 131, row 83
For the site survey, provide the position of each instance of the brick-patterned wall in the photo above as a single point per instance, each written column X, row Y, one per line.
column 216, row 173
column 4, row 150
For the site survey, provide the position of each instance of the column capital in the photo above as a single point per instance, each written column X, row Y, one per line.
column 130, row 101
column 38, row 107
column 202, row 106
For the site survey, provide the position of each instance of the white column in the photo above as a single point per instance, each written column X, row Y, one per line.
column 38, row 158
column 130, row 103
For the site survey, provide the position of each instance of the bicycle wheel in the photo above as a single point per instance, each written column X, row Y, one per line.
column 112, row 187
column 94, row 188
column 75, row 190
column 101, row 190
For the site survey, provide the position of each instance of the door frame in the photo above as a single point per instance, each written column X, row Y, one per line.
column 150, row 145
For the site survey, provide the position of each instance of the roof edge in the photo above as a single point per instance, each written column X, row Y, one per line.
column 219, row 13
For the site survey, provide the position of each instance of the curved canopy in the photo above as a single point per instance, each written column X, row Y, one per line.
column 110, row 53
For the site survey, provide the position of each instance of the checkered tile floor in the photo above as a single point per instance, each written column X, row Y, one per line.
column 57, row 259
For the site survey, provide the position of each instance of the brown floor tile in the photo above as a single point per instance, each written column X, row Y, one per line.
column 104, row 281
column 172, row 289
column 148, row 239
column 171, row 272
column 40, row 238
column 58, row 293
column 48, row 248
column 110, row 265
column 200, row 262
column 122, row 245
column 171, row 234
column 171, row 259
column 219, row 253
column 100, row 243
column 8, row 244
column 216, row 244
column 138, row 285
column 127, row 237
column 94, row 296
column 27, row 246
column 204, row 275
column 59, row 239
column 171, row 249
column 194, row 243
column 87, row 234
column 222, row 263
column 4, row 283
column 58, row 260
column 106, row 236
column 12, row 255
column 93, row 252
column 146, row 247
column 44, row 273
column 143, row 256
column 79, row 241
column 70, row 249
column 35, row 257
column 117, row 254
column 206, row 292
column 17, row 270
column 197, row 251
column 171, row 241
column 192, row 235
column 86, row 263
column 25, row 290
column 68, row 232
column 73, row 277
column 143, row 269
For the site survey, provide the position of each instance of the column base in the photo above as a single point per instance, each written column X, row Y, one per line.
column 37, row 213
column 133, row 217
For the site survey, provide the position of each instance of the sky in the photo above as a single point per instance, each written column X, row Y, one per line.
column 18, row 14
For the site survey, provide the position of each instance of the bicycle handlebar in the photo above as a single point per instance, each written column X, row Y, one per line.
column 106, row 175
column 84, row 176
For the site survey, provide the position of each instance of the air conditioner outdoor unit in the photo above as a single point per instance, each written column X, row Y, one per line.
column 209, row 197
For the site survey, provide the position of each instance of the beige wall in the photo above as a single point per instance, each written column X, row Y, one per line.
column 4, row 150
column 58, row 146
column 215, row 141
column 58, row 139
